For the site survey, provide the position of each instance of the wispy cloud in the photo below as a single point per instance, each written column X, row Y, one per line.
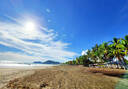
column 13, row 34
column 16, row 57
column 48, row 10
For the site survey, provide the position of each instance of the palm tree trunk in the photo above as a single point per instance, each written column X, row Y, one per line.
column 124, row 64
column 117, row 66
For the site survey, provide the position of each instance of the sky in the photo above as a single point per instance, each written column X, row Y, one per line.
column 59, row 30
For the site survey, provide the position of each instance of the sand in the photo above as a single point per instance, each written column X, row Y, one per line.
column 60, row 77
column 7, row 74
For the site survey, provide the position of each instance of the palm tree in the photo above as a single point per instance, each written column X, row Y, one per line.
column 77, row 60
column 98, row 52
column 74, row 62
column 125, row 44
column 117, row 49
column 105, row 52
column 93, row 56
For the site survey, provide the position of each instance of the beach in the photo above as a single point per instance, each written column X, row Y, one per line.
column 8, row 73
column 57, row 77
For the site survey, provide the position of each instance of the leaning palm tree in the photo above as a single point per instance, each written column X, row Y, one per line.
column 117, row 50
column 124, row 42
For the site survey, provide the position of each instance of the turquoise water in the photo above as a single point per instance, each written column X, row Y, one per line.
column 123, row 83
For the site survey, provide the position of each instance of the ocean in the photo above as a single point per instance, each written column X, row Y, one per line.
column 24, row 65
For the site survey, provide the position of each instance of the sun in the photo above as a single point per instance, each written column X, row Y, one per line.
column 30, row 25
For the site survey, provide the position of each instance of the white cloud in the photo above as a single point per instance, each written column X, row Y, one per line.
column 18, row 57
column 16, row 36
column 84, row 52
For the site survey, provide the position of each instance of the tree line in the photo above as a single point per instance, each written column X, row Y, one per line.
column 105, row 53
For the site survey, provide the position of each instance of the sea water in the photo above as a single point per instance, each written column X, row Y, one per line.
column 24, row 65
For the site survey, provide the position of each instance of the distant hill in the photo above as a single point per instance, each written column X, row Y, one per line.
column 38, row 62
column 46, row 62
column 51, row 62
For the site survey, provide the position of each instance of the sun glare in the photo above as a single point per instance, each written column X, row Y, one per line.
column 30, row 25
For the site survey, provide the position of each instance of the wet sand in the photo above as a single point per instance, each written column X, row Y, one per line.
column 62, row 77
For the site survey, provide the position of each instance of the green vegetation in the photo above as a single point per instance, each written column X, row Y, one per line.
column 105, row 53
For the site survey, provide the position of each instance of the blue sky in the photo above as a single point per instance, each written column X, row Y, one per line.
column 60, row 30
